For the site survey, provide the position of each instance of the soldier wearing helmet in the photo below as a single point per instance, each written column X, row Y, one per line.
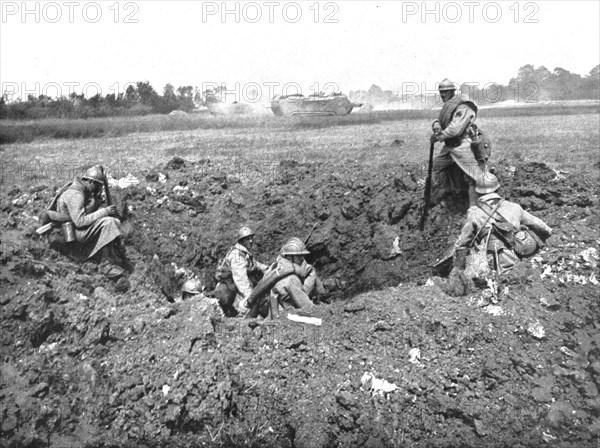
column 454, row 128
column 483, row 218
column 297, row 288
column 237, row 274
column 191, row 287
column 97, row 228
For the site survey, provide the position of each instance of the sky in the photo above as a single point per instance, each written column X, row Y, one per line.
column 278, row 47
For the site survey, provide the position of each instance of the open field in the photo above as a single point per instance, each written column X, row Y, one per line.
column 566, row 142
column 26, row 131
column 89, row 362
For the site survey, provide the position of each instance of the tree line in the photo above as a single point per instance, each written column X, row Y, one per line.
column 529, row 86
column 140, row 99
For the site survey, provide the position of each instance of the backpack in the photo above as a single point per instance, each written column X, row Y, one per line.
column 523, row 240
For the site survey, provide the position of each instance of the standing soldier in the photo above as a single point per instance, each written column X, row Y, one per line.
column 237, row 274
column 453, row 128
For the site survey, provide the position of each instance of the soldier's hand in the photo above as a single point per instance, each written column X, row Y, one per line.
column 112, row 210
column 434, row 138
column 437, row 128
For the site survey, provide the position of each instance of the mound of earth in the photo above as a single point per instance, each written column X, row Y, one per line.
column 396, row 362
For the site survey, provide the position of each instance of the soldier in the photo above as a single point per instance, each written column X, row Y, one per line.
column 295, row 289
column 191, row 288
column 453, row 127
column 484, row 217
column 237, row 274
column 97, row 230
column 288, row 281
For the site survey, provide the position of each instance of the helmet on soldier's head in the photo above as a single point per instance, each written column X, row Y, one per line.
column 244, row 232
column 294, row 246
column 95, row 174
column 488, row 183
column 192, row 286
column 445, row 85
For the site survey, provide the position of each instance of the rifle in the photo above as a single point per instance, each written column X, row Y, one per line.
column 310, row 233
column 427, row 189
column 106, row 190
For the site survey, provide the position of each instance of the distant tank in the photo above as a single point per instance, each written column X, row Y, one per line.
column 316, row 104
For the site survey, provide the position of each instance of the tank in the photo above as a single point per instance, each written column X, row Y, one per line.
column 316, row 104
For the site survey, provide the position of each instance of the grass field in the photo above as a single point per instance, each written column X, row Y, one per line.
column 568, row 142
column 27, row 131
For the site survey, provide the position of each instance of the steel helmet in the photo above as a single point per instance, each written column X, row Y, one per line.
column 294, row 246
column 244, row 232
column 95, row 174
column 488, row 183
column 446, row 84
column 192, row 286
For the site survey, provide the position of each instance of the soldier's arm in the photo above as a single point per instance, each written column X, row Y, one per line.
column 75, row 204
column 463, row 115
column 239, row 274
column 310, row 279
column 94, row 204
column 468, row 232
column 536, row 224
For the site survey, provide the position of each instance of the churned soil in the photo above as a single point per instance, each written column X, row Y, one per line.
column 400, row 359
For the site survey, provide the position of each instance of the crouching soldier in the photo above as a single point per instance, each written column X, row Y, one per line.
column 511, row 232
column 290, row 281
column 84, row 229
column 237, row 274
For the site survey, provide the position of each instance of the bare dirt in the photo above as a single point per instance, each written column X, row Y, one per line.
column 88, row 362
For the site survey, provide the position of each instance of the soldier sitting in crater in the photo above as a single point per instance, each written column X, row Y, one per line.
column 290, row 281
column 237, row 274
column 89, row 231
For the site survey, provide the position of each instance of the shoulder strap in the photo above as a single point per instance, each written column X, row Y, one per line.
column 486, row 221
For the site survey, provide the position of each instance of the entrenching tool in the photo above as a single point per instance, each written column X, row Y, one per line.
column 427, row 189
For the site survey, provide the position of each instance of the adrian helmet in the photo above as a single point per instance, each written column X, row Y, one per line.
column 192, row 286
column 487, row 183
column 294, row 246
column 244, row 232
column 95, row 174
column 446, row 84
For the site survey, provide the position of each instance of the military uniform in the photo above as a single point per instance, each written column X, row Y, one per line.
column 235, row 284
column 93, row 227
column 479, row 223
column 454, row 121
column 96, row 232
column 297, row 288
